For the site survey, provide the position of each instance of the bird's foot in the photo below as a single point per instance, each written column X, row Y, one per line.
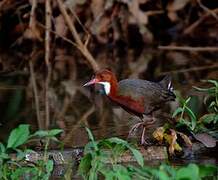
column 144, row 141
column 134, row 128
column 145, row 126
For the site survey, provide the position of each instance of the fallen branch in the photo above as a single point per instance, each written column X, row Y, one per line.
column 188, row 48
column 83, row 49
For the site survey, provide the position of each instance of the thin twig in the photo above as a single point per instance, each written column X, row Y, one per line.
column 190, row 28
column 54, row 32
column 214, row 66
column 153, row 13
column 189, row 48
column 32, row 14
column 47, row 60
column 78, row 20
column 209, row 11
column 33, row 79
column 83, row 49
column 36, row 97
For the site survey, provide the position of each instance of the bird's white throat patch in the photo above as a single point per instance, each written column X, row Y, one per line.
column 107, row 87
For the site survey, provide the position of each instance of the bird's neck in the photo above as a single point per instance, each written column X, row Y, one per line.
column 113, row 88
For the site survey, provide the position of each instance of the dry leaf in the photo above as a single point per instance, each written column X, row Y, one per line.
column 205, row 139
column 32, row 33
column 171, row 140
column 60, row 26
column 186, row 139
column 158, row 134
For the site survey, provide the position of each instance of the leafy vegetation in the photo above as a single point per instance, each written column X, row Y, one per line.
column 101, row 159
column 187, row 117
column 13, row 164
column 211, row 102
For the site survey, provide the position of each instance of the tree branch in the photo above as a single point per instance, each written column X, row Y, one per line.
column 83, row 49
column 188, row 48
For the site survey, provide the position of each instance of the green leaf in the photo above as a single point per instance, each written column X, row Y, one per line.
column 23, row 173
column 138, row 156
column 2, row 148
column 169, row 170
column 141, row 172
column 108, row 175
column 54, row 132
column 191, row 172
column 121, row 172
column 209, row 118
column 192, row 116
column 118, row 141
column 213, row 82
column 161, row 175
column 177, row 111
column 90, row 146
column 207, row 170
column 93, row 175
column 54, row 139
column 187, row 100
column 183, row 122
column 18, row 136
column 40, row 133
column 85, row 165
column 49, row 166
column 4, row 156
column 91, row 137
column 207, row 90
column 194, row 104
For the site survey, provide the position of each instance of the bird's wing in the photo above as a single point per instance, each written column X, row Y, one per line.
column 150, row 94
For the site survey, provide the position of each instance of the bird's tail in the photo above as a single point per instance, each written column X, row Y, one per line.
column 166, row 83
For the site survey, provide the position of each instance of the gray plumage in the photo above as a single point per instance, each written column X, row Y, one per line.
column 153, row 94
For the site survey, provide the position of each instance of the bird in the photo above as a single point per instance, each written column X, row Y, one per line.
column 136, row 96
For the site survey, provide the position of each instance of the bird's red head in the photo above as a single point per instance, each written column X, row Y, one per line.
column 106, row 78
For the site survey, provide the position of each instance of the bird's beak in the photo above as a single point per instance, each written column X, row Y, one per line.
column 93, row 81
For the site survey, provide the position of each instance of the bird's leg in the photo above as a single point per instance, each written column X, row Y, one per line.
column 136, row 126
column 143, row 136
column 146, row 124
